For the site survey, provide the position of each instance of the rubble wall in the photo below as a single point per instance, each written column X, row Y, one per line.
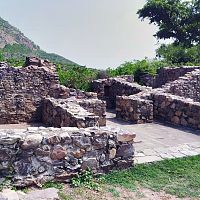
column 176, row 110
column 69, row 113
column 165, row 75
column 134, row 109
column 22, row 90
column 109, row 89
column 42, row 154
column 187, row 86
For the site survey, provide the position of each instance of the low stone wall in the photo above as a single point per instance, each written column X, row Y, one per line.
column 176, row 110
column 109, row 89
column 97, row 107
column 135, row 109
column 43, row 154
column 165, row 75
column 187, row 86
column 67, row 113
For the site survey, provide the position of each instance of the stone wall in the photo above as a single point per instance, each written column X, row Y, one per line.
column 176, row 110
column 22, row 90
column 187, row 86
column 135, row 109
column 109, row 89
column 73, row 113
column 165, row 75
column 43, row 154
column 97, row 107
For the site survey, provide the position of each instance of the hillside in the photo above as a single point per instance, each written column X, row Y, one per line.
column 13, row 44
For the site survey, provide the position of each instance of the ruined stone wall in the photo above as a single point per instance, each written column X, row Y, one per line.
column 187, row 86
column 97, row 107
column 109, row 89
column 176, row 110
column 66, row 113
column 22, row 90
column 134, row 109
column 41, row 154
column 165, row 75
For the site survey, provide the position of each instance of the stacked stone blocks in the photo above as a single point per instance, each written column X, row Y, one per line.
column 42, row 154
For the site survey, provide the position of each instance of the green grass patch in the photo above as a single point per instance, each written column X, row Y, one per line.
column 180, row 177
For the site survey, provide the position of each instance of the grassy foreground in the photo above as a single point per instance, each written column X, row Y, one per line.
column 180, row 177
column 162, row 180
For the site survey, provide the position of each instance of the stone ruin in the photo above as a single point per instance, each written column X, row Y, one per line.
column 74, row 137
column 174, row 97
column 33, row 94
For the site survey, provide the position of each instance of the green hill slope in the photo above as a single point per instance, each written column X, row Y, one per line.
column 14, row 45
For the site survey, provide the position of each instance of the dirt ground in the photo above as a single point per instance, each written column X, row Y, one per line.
column 115, row 193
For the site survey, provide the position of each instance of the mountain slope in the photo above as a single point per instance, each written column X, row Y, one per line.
column 13, row 44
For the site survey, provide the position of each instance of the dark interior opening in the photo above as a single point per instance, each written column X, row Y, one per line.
column 106, row 91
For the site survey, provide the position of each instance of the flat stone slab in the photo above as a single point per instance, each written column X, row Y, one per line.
column 45, row 194
column 157, row 141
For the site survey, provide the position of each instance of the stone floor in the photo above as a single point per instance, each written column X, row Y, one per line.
column 157, row 141
column 45, row 194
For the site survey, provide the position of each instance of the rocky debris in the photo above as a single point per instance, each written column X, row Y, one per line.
column 43, row 154
column 135, row 109
column 45, row 194
column 109, row 89
column 3, row 65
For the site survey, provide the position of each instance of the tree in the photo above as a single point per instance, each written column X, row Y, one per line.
column 176, row 19
column 178, row 54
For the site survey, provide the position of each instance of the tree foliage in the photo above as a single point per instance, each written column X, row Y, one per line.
column 137, row 68
column 176, row 19
column 78, row 77
column 179, row 54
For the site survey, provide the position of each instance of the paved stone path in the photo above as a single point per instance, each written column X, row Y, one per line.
column 156, row 141
column 45, row 194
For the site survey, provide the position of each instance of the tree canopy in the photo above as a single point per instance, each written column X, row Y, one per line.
column 176, row 19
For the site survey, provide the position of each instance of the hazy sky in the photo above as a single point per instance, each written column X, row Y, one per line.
column 95, row 33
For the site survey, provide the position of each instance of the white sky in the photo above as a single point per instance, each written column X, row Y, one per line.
column 95, row 33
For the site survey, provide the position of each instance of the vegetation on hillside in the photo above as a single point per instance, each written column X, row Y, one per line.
column 14, row 44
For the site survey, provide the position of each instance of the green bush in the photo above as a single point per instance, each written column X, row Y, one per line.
column 137, row 68
column 76, row 77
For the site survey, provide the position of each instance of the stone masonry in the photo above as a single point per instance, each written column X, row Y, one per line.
column 165, row 75
column 132, row 108
column 187, row 86
column 33, row 94
column 66, row 113
column 177, row 102
column 109, row 89
column 23, row 92
column 38, row 155
column 176, row 110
